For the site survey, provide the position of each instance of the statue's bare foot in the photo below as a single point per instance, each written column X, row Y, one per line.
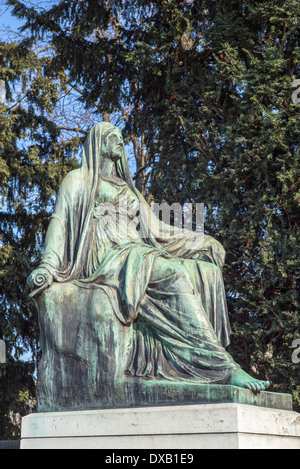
column 241, row 379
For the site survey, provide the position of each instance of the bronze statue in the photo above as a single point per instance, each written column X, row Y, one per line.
column 171, row 297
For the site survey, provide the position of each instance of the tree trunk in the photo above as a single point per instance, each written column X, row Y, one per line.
column 140, row 159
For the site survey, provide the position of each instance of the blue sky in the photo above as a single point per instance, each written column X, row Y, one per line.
column 7, row 20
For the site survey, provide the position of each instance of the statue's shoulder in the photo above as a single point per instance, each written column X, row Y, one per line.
column 72, row 182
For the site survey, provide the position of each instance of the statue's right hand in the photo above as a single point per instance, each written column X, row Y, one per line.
column 39, row 280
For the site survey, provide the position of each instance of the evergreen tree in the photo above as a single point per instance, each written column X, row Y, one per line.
column 95, row 41
column 205, row 90
column 217, row 81
column 33, row 161
column 226, row 134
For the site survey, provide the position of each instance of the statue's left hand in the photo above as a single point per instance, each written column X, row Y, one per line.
column 39, row 280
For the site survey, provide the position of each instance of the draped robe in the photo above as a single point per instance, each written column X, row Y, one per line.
column 164, row 282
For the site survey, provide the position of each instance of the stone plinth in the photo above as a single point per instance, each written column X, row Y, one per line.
column 207, row 426
column 146, row 393
column 85, row 351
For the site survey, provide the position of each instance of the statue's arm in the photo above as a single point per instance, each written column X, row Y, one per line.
column 194, row 245
column 55, row 249
column 186, row 243
column 54, row 256
column 182, row 243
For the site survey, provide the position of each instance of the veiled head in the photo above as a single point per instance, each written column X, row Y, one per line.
column 105, row 141
column 113, row 145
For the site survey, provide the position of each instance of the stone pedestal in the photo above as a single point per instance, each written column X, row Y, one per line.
column 205, row 426
column 86, row 350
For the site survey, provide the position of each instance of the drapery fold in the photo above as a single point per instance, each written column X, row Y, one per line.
column 167, row 284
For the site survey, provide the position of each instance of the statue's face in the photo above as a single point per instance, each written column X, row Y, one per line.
column 115, row 145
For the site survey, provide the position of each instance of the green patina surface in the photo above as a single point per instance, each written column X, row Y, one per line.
column 163, row 393
column 128, row 316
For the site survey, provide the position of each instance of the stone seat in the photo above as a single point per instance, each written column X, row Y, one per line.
column 86, row 350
